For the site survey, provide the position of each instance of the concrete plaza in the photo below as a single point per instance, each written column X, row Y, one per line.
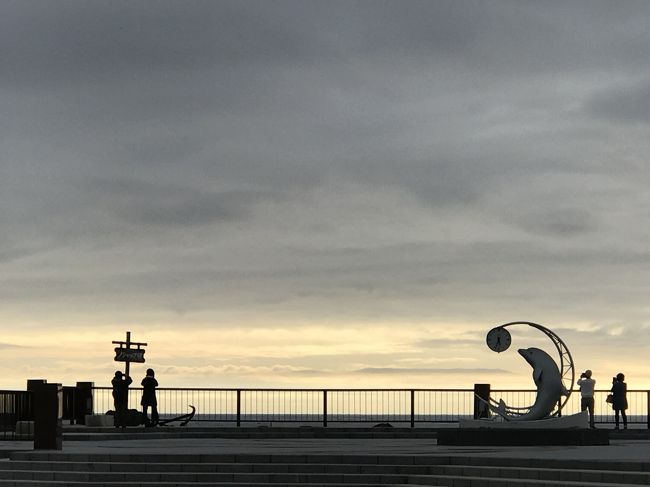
column 147, row 459
column 625, row 449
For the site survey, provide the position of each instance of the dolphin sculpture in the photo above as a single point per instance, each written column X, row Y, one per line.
column 548, row 380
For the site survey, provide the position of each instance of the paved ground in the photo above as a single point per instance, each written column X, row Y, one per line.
column 630, row 450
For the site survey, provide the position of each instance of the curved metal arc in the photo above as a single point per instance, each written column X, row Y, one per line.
column 562, row 350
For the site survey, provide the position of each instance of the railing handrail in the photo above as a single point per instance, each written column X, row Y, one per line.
column 271, row 389
column 340, row 389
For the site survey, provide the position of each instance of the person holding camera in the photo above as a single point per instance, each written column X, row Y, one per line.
column 587, row 384
column 121, row 385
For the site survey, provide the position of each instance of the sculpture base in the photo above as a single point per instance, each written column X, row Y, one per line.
column 565, row 430
column 573, row 421
column 522, row 437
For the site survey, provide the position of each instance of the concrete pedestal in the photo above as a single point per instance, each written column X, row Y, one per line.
column 48, row 410
column 522, row 437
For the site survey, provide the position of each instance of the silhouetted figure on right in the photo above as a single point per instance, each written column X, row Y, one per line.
column 619, row 403
column 121, row 385
column 149, row 384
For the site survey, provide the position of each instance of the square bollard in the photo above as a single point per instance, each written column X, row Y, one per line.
column 48, row 411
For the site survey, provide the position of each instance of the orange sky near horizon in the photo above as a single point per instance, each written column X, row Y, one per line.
column 386, row 355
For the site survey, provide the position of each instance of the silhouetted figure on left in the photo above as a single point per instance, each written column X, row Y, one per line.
column 149, row 384
column 619, row 403
column 121, row 385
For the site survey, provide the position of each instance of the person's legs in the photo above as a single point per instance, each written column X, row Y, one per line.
column 624, row 418
column 154, row 414
column 616, row 414
column 145, row 407
column 587, row 403
column 590, row 407
column 116, row 416
column 119, row 415
column 124, row 406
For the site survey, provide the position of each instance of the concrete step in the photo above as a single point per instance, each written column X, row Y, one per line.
column 564, row 474
column 439, row 480
column 41, row 483
column 462, row 481
column 105, row 470
column 205, row 477
column 127, row 467
column 157, row 461
column 569, row 474
column 637, row 466
column 331, row 459
column 226, row 458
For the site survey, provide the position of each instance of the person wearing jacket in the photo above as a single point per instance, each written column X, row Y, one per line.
column 149, row 384
column 120, row 385
column 619, row 403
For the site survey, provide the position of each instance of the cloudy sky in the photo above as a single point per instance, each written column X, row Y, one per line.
column 319, row 194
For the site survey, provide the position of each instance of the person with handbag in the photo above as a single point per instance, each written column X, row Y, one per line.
column 619, row 399
column 149, row 384
column 587, row 384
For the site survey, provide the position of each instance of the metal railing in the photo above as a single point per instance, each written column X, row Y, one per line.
column 15, row 406
column 324, row 406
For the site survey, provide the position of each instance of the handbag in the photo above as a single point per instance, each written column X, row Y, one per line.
column 609, row 399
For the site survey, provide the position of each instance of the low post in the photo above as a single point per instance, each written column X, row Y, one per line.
column 34, row 383
column 48, row 400
column 69, row 400
column 412, row 408
column 648, row 409
column 325, row 408
column 481, row 401
column 83, row 401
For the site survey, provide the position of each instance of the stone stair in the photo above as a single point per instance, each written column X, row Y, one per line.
column 31, row 468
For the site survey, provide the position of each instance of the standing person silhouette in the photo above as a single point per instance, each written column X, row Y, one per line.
column 587, row 384
column 149, row 384
column 619, row 404
column 121, row 385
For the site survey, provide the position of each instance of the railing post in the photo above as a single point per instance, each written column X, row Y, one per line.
column 325, row 408
column 412, row 408
column 648, row 408
column 83, row 402
column 481, row 401
column 238, row 408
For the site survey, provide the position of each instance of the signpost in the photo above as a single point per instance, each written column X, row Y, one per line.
column 125, row 352
column 129, row 355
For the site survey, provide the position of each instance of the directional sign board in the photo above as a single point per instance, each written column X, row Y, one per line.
column 129, row 355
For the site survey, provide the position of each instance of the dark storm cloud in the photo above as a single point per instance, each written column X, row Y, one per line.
column 143, row 203
column 623, row 103
column 421, row 160
column 96, row 40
